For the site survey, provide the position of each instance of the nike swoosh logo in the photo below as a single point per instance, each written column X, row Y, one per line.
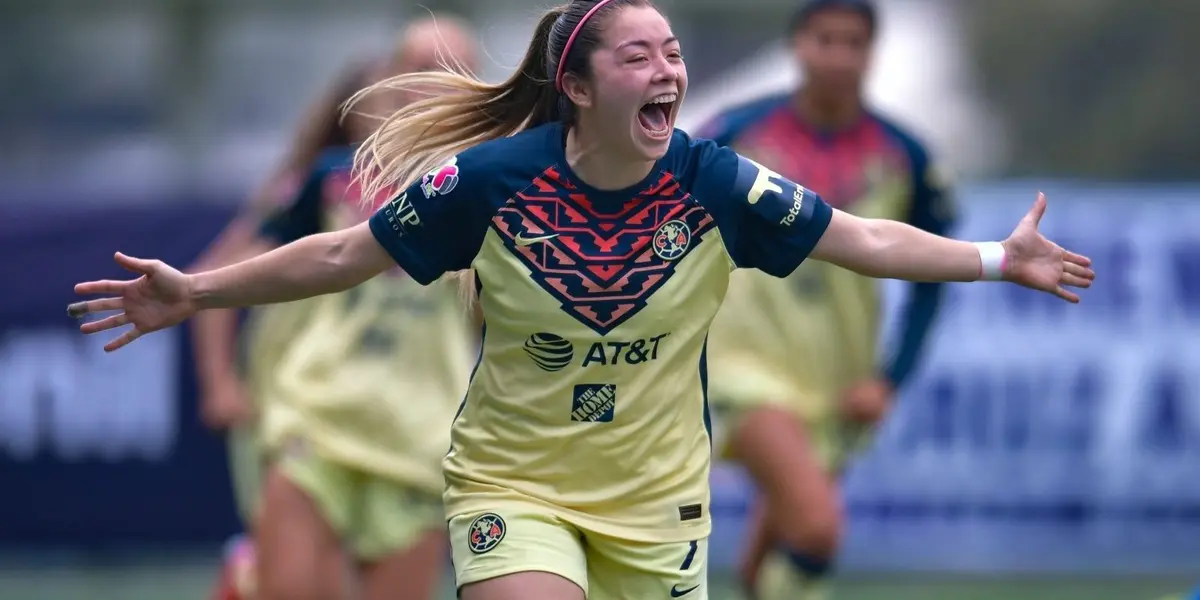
column 676, row 592
column 521, row 240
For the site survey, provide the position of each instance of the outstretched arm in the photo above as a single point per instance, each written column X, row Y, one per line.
column 319, row 264
column 889, row 249
column 894, row 250
column 162, row 296
column 780, row 224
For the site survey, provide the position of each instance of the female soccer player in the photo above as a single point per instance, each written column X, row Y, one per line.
column 274, row 358
column 797, row 402
column 422, row 46
column 601, row 242
column 357, row 415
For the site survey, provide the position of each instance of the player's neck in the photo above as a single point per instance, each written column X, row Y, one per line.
column 827, row 112
column 599, row 169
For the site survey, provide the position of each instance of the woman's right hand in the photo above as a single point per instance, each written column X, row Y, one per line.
column 158, row 299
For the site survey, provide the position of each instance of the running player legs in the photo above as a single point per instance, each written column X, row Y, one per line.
column 371, row 538
column 299, row 554
column 413, row 573
column 801, row 509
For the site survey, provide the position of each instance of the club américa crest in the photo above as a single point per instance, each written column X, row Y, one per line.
column 672, row 239
column 441, row 180
column 485, row 533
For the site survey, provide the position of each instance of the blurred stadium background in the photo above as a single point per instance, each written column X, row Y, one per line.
column 1042, row 453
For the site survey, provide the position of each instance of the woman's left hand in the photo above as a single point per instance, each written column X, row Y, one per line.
column 1038, row 263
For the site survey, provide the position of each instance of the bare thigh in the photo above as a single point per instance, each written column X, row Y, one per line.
column 300, row 556
column 528, row 585
column 803, row 505
column 409, row 574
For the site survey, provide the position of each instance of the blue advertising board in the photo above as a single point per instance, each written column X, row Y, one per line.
column 1043, row 435
column 99, row 449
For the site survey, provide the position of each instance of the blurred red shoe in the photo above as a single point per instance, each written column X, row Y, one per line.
column 237, row 574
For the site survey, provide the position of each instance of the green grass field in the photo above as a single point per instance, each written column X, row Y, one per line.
column 192, row 580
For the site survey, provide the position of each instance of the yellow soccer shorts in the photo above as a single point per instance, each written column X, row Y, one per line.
column 374, row 515
column 732, row 398
column 520, row 538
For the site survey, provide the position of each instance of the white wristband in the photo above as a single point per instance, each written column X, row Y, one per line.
column 992, row 260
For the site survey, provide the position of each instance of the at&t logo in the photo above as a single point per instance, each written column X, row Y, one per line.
column 549, row 352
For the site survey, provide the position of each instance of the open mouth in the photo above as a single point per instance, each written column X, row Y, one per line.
column 655, row 116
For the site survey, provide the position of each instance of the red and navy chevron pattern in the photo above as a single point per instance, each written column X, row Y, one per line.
column 601, row 266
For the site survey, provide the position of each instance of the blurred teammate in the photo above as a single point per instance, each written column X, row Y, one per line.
column 601, row 241
column 357, row 418
column 795, row 376
column 227, row 390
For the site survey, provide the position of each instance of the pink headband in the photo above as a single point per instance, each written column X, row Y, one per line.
column 562, row 60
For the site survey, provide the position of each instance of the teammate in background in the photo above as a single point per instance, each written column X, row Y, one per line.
column 796, row 400
column 601, row 242
column 357, row 420
column 232, row 387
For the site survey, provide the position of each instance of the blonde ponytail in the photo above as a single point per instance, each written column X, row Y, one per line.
column 459, row 111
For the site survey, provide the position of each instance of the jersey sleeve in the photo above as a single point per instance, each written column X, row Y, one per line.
column 932, row 209
column 436, row 225
column 299, row 218
column 771, row 224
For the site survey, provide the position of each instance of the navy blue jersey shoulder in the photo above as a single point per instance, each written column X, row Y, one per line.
column 728, row 125
column 913, row 147
column 303, row 215
column 932, row 207
column 437, row 225
column 766, row 221
column 687, row 156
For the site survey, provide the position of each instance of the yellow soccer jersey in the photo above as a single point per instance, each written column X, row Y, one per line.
column 371, row 377
column 801, row 340
column 267, row 333
column 590, row 396
column 375, row 377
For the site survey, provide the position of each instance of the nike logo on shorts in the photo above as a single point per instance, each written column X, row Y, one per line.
column 521, row 240
column 677, row 593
